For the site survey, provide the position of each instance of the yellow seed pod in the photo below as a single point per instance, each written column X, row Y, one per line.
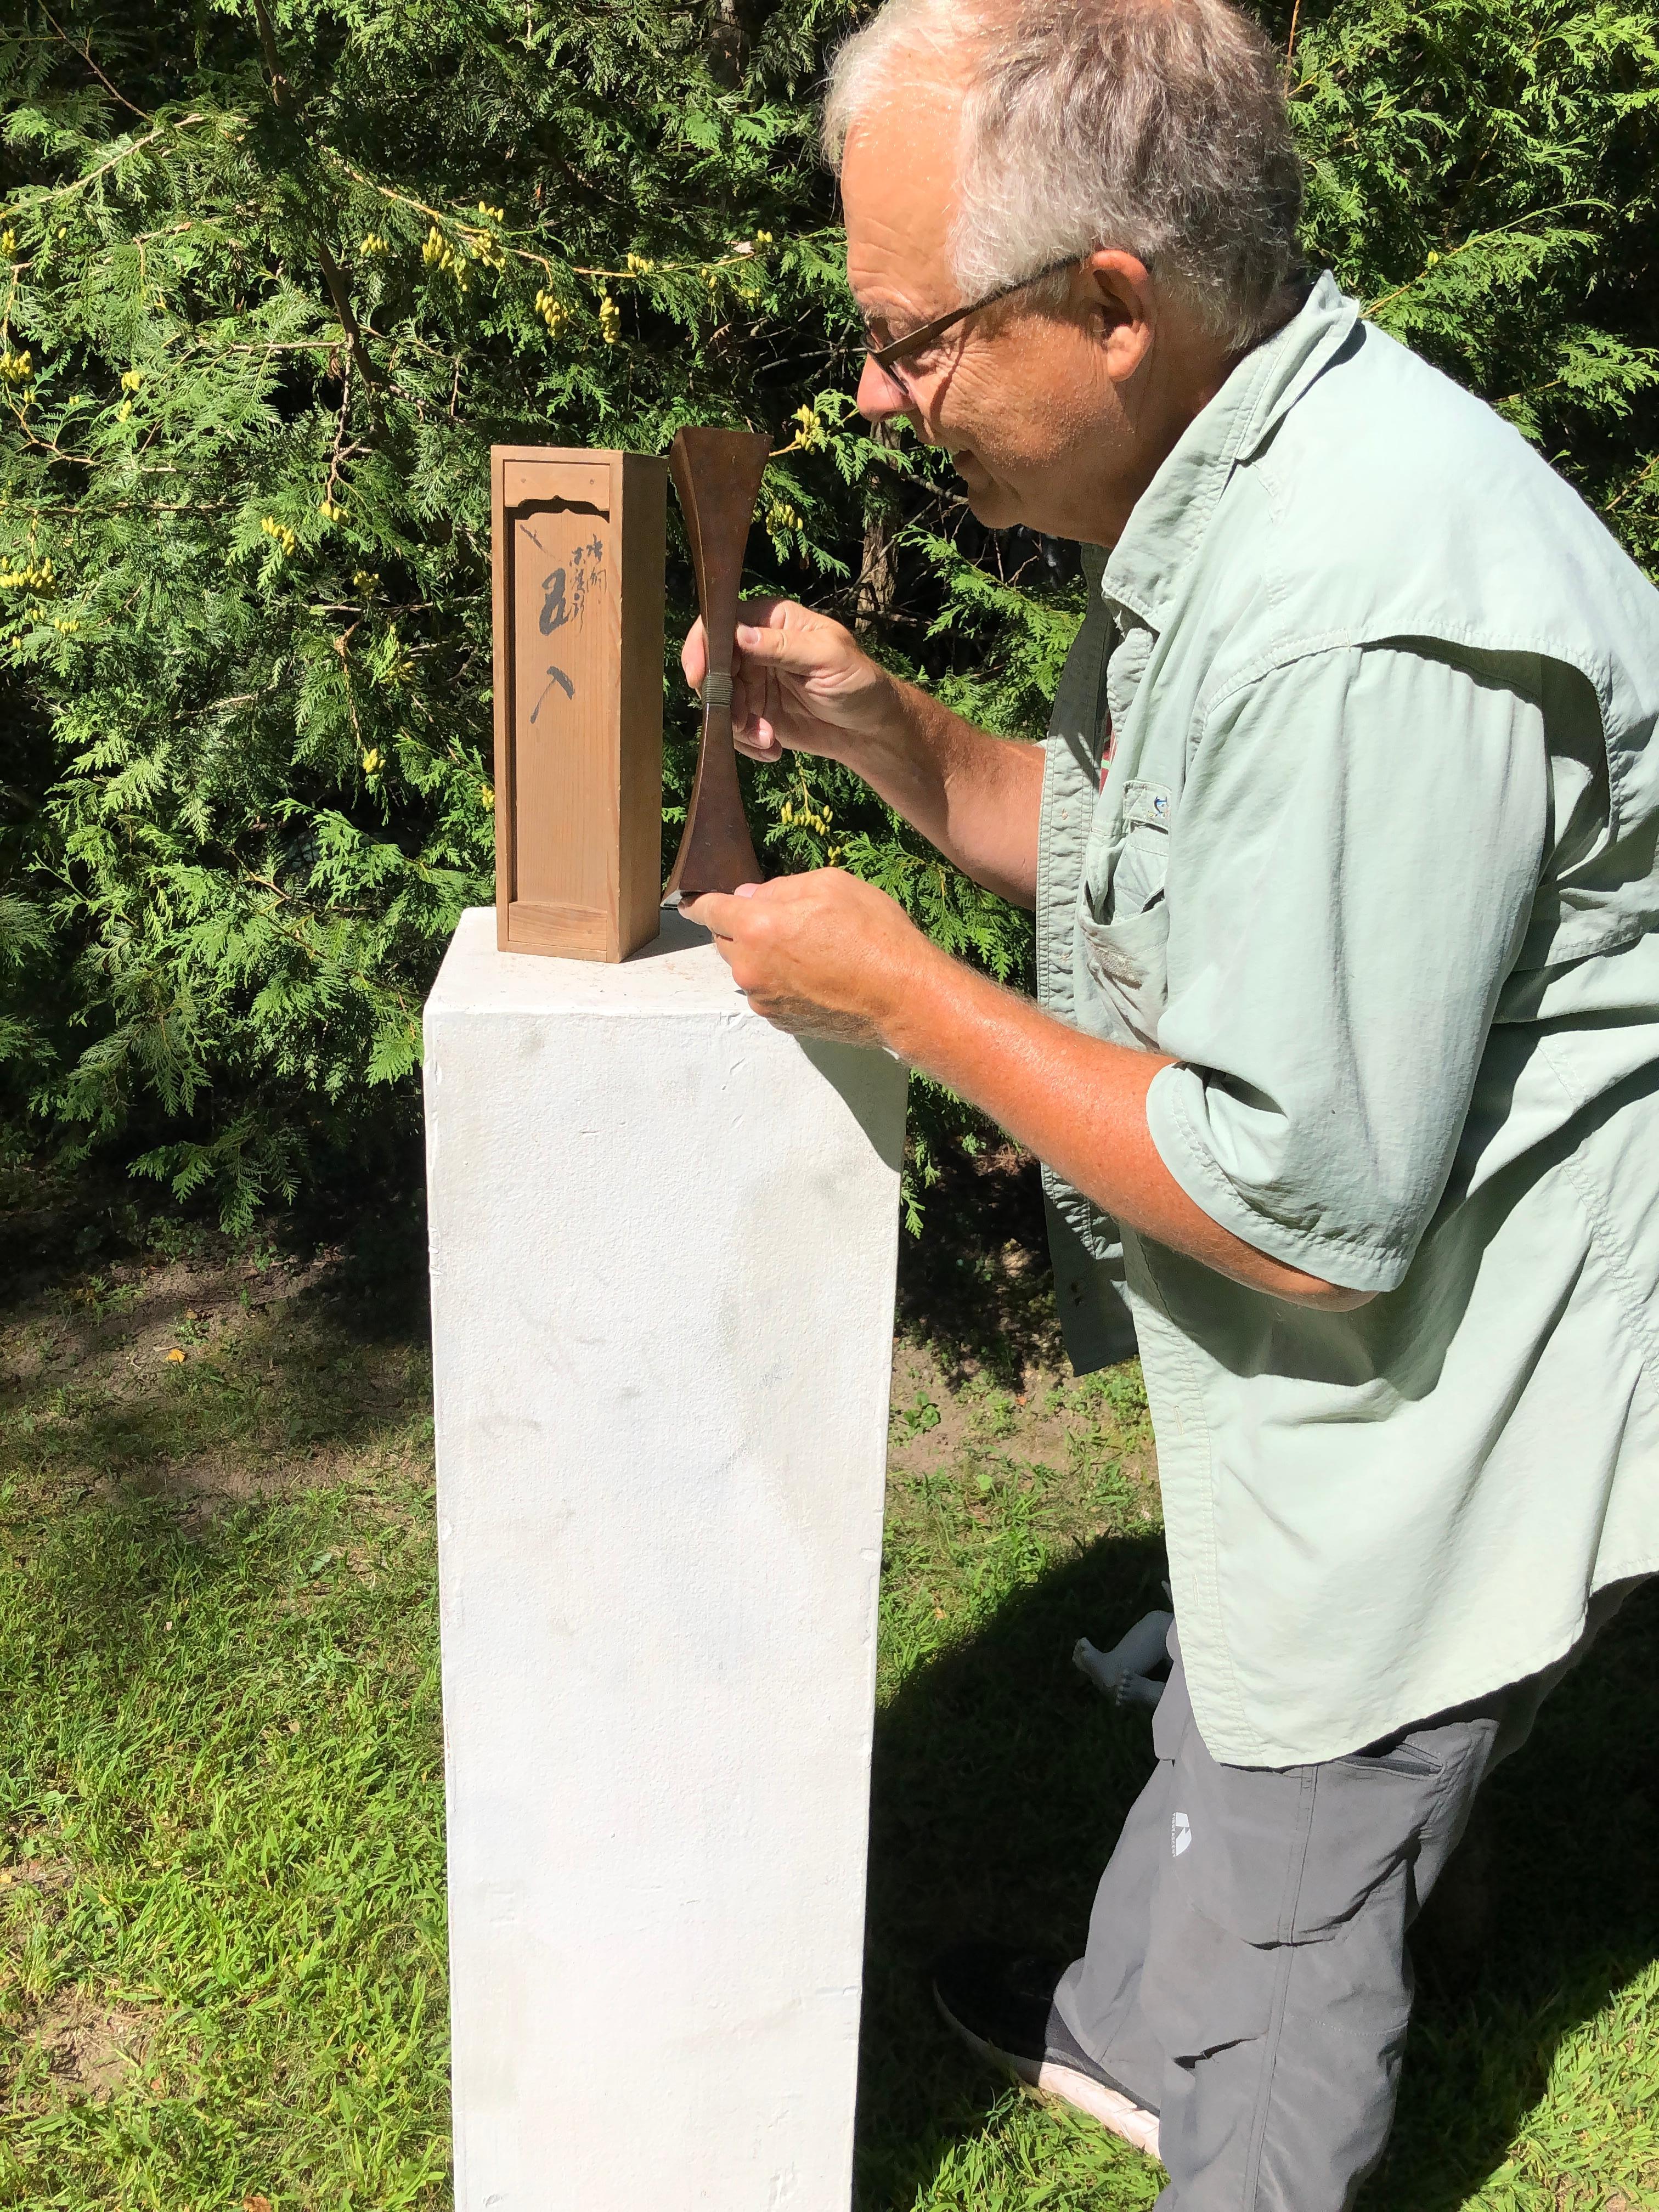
column 811, row 432
column 372, row 759
column 487, row 797
column 132, row 379
column 7, row 242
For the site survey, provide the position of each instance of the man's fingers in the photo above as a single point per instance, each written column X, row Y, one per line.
column 786, row 639
column 694, row 655
column 715, row 911
column 794, row 650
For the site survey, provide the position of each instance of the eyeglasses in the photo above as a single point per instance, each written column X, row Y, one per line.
column 885, row 357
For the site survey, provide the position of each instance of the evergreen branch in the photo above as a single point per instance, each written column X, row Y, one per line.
column 141, row 506
column 1634, row 484
column 283, row 99
column 338, row 293
column 85, row 53
column 742, row 253
column 143, row 807
column 46, row 195
column 1483, row 238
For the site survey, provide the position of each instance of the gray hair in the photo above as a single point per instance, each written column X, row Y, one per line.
column 1158, row 126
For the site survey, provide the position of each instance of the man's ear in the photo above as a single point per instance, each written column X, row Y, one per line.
column 1118, row 293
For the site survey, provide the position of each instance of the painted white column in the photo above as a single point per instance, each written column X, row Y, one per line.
column 663, row 1248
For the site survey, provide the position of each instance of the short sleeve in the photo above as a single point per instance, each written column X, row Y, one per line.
column 1351, row 868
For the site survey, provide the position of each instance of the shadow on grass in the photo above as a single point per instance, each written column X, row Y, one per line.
column 976, row 1285
column 1571, row 1854
column 378, row 1290
column 158, row 1354
column 1000, row 1781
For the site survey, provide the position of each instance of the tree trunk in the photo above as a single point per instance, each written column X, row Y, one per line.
column 879, row 568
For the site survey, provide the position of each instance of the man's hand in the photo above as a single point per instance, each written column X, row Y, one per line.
column 820, row 955
column 797, row 680
column 800, row 682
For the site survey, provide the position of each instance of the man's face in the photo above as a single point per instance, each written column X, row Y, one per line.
column 1027, row 404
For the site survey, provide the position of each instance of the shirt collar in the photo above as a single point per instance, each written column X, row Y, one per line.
column 1167, row 523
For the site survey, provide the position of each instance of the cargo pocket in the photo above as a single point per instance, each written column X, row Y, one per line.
column 1205, row 1984
column 1270, row 1872
column 1202, row 1986
column 1369, row 1812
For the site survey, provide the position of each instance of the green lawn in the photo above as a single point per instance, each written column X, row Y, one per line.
column 221, row 1842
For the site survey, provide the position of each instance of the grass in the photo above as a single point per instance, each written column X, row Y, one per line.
column 221, row 1845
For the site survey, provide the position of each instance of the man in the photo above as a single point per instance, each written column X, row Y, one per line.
column 1342, row 852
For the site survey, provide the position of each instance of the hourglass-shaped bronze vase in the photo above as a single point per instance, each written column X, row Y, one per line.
column 717, row 474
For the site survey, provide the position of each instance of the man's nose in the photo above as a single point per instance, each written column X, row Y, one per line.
column 878, row 397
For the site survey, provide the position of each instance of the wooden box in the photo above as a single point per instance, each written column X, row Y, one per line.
column 576, row 564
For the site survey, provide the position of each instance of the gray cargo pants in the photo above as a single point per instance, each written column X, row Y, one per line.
column 1247, row 1976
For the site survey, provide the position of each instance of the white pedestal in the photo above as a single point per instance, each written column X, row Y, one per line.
column 663, row 1248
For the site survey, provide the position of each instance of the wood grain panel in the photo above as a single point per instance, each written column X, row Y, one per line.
column 575, row 483
column 567, row 646
column 577, row 595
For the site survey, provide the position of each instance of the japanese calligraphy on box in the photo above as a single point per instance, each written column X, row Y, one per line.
column 577, row 574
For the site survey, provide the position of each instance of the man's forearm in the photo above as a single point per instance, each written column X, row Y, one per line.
column 974, row 796
column 1080, row 1103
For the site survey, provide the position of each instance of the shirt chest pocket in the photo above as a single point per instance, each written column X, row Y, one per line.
column 1127, row 855
column 1122, row 921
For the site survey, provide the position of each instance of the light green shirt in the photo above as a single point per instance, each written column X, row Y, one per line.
column 1350, row 805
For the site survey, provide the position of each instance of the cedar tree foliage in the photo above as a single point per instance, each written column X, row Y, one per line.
column 273, row 275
